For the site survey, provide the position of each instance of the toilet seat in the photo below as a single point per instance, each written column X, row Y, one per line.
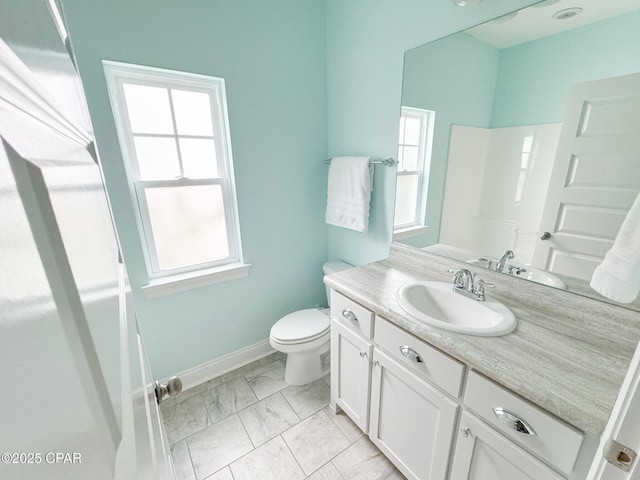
column 300, row 327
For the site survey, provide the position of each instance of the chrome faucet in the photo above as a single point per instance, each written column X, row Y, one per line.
column 463, row 283
column 462, row 280
column 508, row 255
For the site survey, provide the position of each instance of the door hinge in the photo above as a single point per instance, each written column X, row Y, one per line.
column 618, row 455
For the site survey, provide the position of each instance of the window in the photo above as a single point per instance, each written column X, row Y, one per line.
column 527, row 149
column 175, row 143
column 414, row 155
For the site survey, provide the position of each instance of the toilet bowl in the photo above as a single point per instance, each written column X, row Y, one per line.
column 305, row 336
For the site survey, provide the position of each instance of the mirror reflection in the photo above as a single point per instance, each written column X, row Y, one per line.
column 519, row 146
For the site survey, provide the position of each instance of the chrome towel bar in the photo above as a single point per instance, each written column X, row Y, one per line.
column 389, row 162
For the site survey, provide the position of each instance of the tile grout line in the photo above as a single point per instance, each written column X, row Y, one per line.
column 294, row 456
column 244, row 427
column 193, row 468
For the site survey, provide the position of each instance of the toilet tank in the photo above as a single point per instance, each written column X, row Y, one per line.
column 333, row 267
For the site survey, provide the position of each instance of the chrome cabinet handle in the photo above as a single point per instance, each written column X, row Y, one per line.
column 349, row 315
column 410, row 353
column 511, row 420
column 545, row 236
column 466, row 432
column 364, row 354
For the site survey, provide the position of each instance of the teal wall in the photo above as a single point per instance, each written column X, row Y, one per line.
column 366, row 41
column 534, row 77
column 306, row 80
column 455, row 77
column 272, row 57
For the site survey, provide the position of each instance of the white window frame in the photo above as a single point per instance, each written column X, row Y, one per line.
column 116, row 75
column 427, row 121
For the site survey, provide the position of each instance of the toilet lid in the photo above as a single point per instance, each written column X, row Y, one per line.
column 303, row 325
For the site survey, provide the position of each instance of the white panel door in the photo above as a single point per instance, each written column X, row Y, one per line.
column 55, row 304
column 143, row 452
column 72, row 365
column 81, row 404
column 412, row 422
column 484, row 454
column 596, row 176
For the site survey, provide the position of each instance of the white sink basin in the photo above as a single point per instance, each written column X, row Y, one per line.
column 532, row 274
column 540, row 276
column 435, row 303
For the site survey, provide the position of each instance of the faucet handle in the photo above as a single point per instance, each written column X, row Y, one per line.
column 457, row 280
column 514, row 270
column 479, row 290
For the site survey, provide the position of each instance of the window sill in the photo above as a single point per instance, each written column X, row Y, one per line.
column 160, row 287
column 409, row 232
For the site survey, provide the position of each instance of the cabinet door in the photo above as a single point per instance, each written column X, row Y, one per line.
column 350, row 373
column 411, row 421
column 483, row 453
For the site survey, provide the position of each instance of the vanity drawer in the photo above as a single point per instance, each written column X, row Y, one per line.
column 351, row 314
column 425, row 360
column 553, row 440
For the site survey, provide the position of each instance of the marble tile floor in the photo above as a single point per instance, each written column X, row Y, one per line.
column 249, row 424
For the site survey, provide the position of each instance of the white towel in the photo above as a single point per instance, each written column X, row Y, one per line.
column 349, row 192
column 618, row 276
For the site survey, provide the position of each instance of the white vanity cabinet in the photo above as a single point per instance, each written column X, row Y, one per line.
column 388, row 390
column 544, row 435
column 413, row 407
column 482, row 454
column 350, row 373
column 351, row 349
column 407, row 396
column 411, row 421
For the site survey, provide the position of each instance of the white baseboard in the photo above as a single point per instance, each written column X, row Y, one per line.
column 207, row 371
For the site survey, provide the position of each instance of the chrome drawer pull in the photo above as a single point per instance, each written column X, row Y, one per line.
column 410, row 353
column 349, row 315
column 511, row 420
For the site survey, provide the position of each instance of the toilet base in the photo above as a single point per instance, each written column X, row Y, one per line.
column 305, row 367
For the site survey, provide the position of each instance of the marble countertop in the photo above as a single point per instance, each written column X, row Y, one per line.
column 568, row 355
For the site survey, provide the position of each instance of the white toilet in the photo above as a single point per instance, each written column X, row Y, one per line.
column 305, row 337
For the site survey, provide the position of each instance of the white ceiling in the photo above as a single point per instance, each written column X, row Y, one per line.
column 537, row 21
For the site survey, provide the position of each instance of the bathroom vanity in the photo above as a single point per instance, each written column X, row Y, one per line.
column 530, row 404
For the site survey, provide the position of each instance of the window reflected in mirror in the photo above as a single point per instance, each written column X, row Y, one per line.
column 414, row 158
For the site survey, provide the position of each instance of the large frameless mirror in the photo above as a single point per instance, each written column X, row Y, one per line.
column 489, row 168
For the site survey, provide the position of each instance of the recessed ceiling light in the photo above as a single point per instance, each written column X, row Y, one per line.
column 465, row 3
column 567, row 13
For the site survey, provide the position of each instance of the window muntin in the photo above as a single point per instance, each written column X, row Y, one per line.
column 174, row 138
column 414, row 152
